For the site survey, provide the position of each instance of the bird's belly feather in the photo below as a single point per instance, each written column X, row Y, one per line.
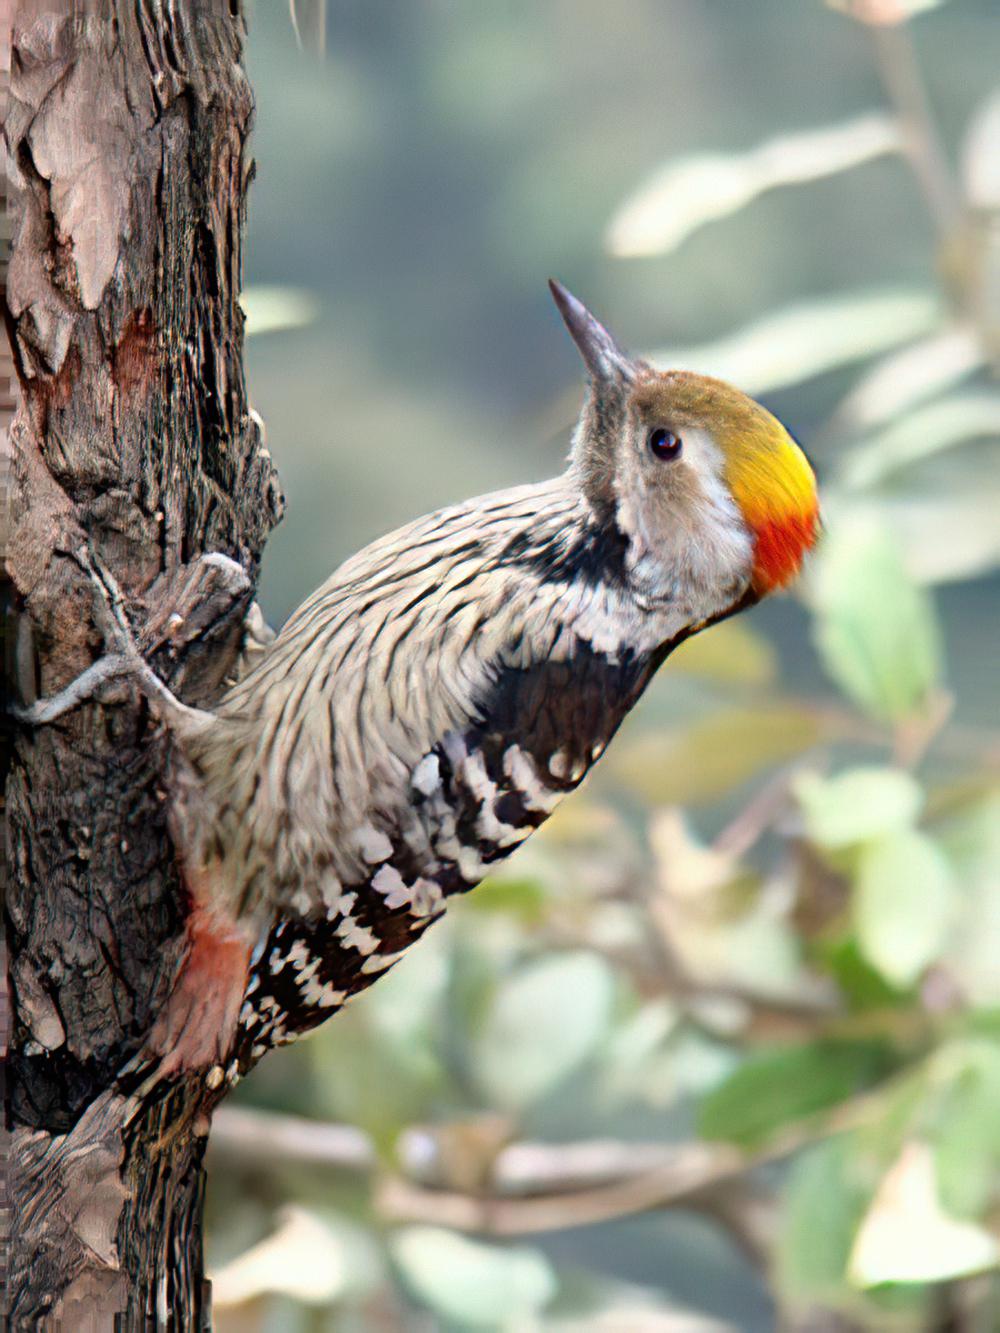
column 471, row 800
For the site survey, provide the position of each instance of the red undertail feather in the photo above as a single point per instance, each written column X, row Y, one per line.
column 197, row 1027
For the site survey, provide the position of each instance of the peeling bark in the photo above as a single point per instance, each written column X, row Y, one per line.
column 127, row 127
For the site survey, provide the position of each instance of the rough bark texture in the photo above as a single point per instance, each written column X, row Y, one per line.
column 133, row 447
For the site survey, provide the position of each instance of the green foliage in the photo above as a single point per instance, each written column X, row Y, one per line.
column 863, row 986
column 703, row 761
column 963, row 1126
column 907, row 1237
column 904, row 904
column 777, row 1088
column 857, row 805
column 387, row 1065
column 920, row 435
column 824, row 1205
column 730, row 653
column 541, row 1024
column 271, row 309
column 770, row 929
column 690, row 192
column 809, row 339
column 971, row 840
column 512, row 896
column 875, row 629
column 475, row 1285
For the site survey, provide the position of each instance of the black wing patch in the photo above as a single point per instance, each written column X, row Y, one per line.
column 555, row 718
column 567, row 708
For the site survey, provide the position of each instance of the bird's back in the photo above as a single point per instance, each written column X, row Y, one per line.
column 414, row 721
column 400, row 649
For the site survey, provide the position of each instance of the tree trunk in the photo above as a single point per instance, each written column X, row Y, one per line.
column 133, row 450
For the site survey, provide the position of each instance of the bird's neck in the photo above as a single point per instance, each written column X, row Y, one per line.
column 603, row 583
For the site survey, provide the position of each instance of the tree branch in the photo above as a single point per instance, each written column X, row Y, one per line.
column 537, row 1187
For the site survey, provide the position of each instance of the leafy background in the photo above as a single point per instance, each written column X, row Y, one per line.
column 721, row 1048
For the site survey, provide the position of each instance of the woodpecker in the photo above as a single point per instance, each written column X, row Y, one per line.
column 429, row 706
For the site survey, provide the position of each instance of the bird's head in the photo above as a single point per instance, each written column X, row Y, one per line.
column 711, row 492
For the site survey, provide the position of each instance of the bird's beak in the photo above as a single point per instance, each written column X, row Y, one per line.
column 604, row 359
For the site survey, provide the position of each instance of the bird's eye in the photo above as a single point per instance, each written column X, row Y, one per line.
column 664, row 444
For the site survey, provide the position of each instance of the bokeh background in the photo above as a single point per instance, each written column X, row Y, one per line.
column 721, row 1048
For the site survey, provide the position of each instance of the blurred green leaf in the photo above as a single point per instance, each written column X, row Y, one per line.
column 714, row 755
column 270, row 309
column 379, row 1065
column 971, row 839
column 317, row 1258
column 513, row 895
column 983, row 1023
column 980, row 255
column 543, row 1022
column 875, row 629
column 932, row 428
column 723, row 927
column 857, row 804
column 910, row 376
column 638, row 1064
column 780, row 1086
column 758, row 950
column 862, row 985
column 699, row 1062
column 944, row 534
column 405, row 1004
column 824, row 1203
column 904, row 904
column 604, row 1306
column 906, row 1235
column 690, row 191
column 370, row 1080
column 477, row 1285
column 730, row 653
column 965, row 1133
column 981, row 155
column 309, row 21
column 809, row 338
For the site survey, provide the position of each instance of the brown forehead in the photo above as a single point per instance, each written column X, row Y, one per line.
column 686, row 398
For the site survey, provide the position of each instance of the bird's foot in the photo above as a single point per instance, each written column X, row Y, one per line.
column 87, row 683
column 124, row 660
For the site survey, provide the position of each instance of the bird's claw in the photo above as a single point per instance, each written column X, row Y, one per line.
column 125, row 659
column 36, row 714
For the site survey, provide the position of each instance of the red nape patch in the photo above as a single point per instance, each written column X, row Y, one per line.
column 780, row 547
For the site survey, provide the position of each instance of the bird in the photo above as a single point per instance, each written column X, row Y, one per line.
column 429, row 706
